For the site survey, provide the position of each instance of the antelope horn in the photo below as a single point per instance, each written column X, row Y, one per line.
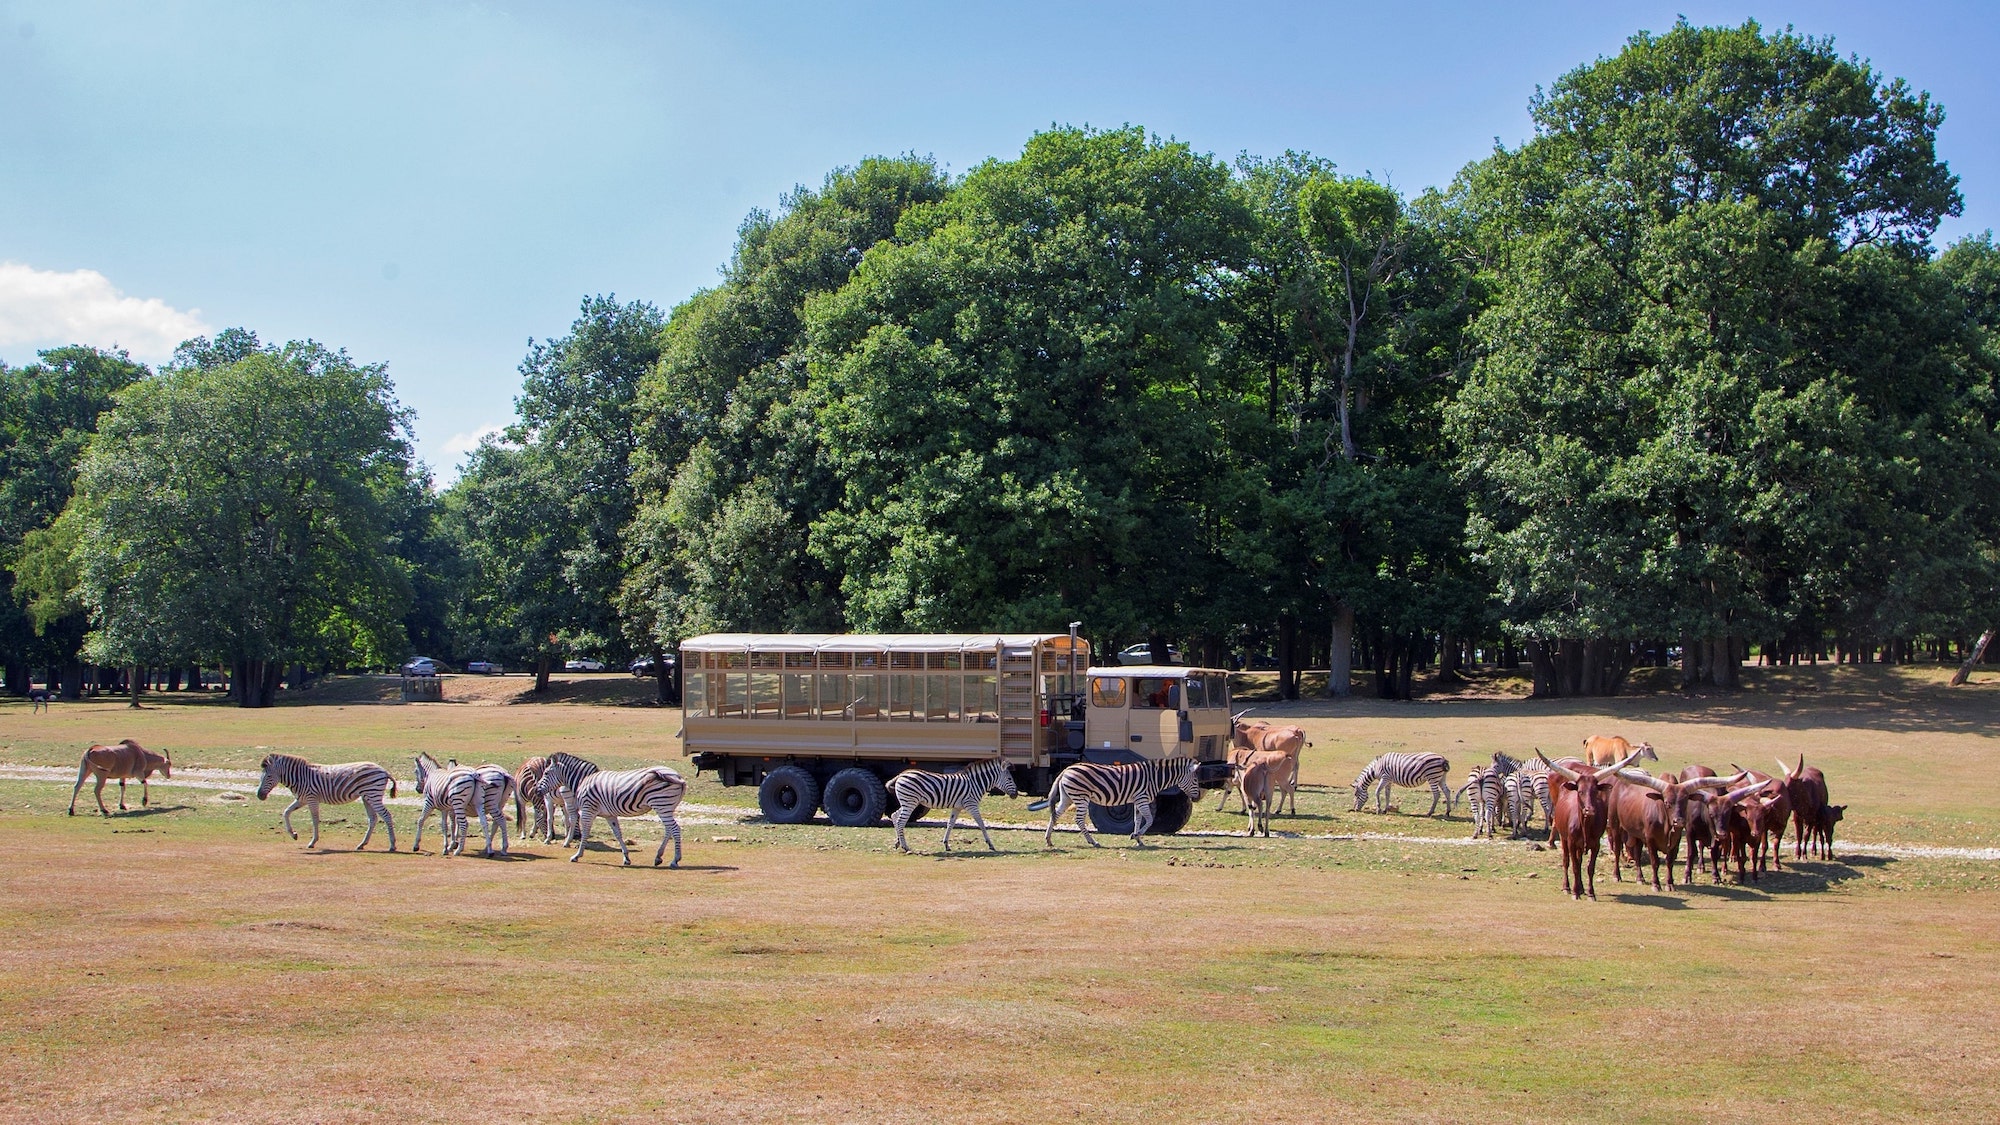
column 1786, row 768
column 1629, row 759
column 1567, row 773
column 1641, row 777
column 1238, row 716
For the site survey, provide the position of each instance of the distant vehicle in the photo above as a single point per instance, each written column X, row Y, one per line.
column 421, row 666
column 643, row 666
column 1143, row 654
column 583, row 665
column 485, row 668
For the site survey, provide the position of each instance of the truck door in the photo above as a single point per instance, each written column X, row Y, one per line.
column 1105, row 717
column 1153, row 724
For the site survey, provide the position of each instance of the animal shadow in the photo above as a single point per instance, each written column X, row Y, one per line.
column 1661, row 901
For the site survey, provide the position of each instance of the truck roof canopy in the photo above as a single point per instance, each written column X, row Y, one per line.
column 872, row 642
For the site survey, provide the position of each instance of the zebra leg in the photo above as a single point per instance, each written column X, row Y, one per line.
column 582, row 837
column 1082, row 824
column 1056, row 802
column 313, row 808
column 296, row 802
column 981, row 822
column 1382, row 797
column 901, row 820
column 500, row 814
column 1142, row 819
column 368, row 808
column 950, row 819
column 618, row 834
column 671, row 826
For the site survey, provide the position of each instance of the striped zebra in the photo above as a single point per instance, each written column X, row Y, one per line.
column 1532, row 787
column 629, row 793
column 493, row 786
column 314, row 785
column 1119, row 783
column 1411, row 771
column 560, row 774
column 528, row 779
column 449, row 790
column 1485, row 788
column 958, row 791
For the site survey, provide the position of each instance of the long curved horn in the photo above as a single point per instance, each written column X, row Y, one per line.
column 1786, row 768
column 1641, row 777
column 1735, row 795
column 1712, row 782
column 1567, row 773
column 1238, row 716
column 1629, row 759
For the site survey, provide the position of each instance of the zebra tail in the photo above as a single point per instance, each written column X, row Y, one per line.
column 392, row 785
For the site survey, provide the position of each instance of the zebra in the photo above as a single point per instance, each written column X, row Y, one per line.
column 958, row 791
column 560, row 774
column 1532, row 785
column 1119, row 783
column 448, row 790
column 1411, row 771
column 314, row 785
column 629, row 793
column 1484, row 788
column 528, row 779
column 493, row 785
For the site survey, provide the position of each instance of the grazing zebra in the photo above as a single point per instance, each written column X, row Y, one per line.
column 958, row 791
column 449, row 790
column 629, row 793
column 1485, row 787
column 1411, row 771
column 493, row 785
column 560, row 773
column 1121, row 783
column 528, row 779
column 313, row 786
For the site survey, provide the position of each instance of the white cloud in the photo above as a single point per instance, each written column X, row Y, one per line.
column 458, row 445
column 44, row 309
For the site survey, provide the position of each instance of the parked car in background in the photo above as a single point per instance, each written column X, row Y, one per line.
column 585, row 665
column 422, row 666
column 484, row 668
column 644, row 666
column 1142, row 653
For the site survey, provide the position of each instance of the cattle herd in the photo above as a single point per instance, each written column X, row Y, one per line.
column 1698, row 818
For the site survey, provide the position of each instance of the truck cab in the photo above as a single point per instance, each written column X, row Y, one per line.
column 1153, row 711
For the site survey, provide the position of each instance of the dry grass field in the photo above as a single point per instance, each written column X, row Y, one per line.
column 192, row 963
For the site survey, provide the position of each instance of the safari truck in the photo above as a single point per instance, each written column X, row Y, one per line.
column 824, row 720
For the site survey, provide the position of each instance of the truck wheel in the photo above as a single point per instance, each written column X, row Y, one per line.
column 855, row 798
column 1112, row 820
column 1170, row 814
column 789, row 795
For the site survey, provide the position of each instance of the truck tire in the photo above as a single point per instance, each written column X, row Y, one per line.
column 1171, row 812
column 789, row 795
column 855, row 798
column 1112, row 820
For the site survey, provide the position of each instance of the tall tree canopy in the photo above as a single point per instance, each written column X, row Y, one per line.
column 241, row 512
column 1675, row 428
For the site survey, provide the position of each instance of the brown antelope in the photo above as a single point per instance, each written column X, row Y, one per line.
column 126, row 761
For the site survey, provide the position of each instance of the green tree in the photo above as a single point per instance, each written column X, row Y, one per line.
column 240, row 512
column 48, row 411
column 1657, row 436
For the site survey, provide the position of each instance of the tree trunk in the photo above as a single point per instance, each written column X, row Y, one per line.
column 542, row 671
column 135, row 679
column 1450, row 654
column 662, row 695
column 1340, row 653
column 1288, row 656
column 1542, row 662
column 17, row 678
column 1978, row 653
column 1161, row 651
column 194, row 680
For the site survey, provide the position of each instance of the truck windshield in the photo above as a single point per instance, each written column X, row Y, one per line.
column 1107, row 691
column 1156, row 693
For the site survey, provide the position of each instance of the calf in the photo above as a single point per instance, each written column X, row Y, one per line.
column 126, row 761
column 1582, row 800
column 1732, row 829
column 1257, row 785
column 1828, row 817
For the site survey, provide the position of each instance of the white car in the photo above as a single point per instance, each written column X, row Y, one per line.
column 421, row 666
column 1142, row 653
column 583, row 665
column 484, row 668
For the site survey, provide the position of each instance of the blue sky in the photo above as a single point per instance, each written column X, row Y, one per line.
column 431, row 183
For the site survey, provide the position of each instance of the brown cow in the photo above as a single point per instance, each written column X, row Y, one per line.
column 1649, row 816
column 1806, row 786
column 127, row 760
column 1733, row 828
column 1604, row 749
column 1582, row 800
column 1823, row 832
column 1768, row 815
